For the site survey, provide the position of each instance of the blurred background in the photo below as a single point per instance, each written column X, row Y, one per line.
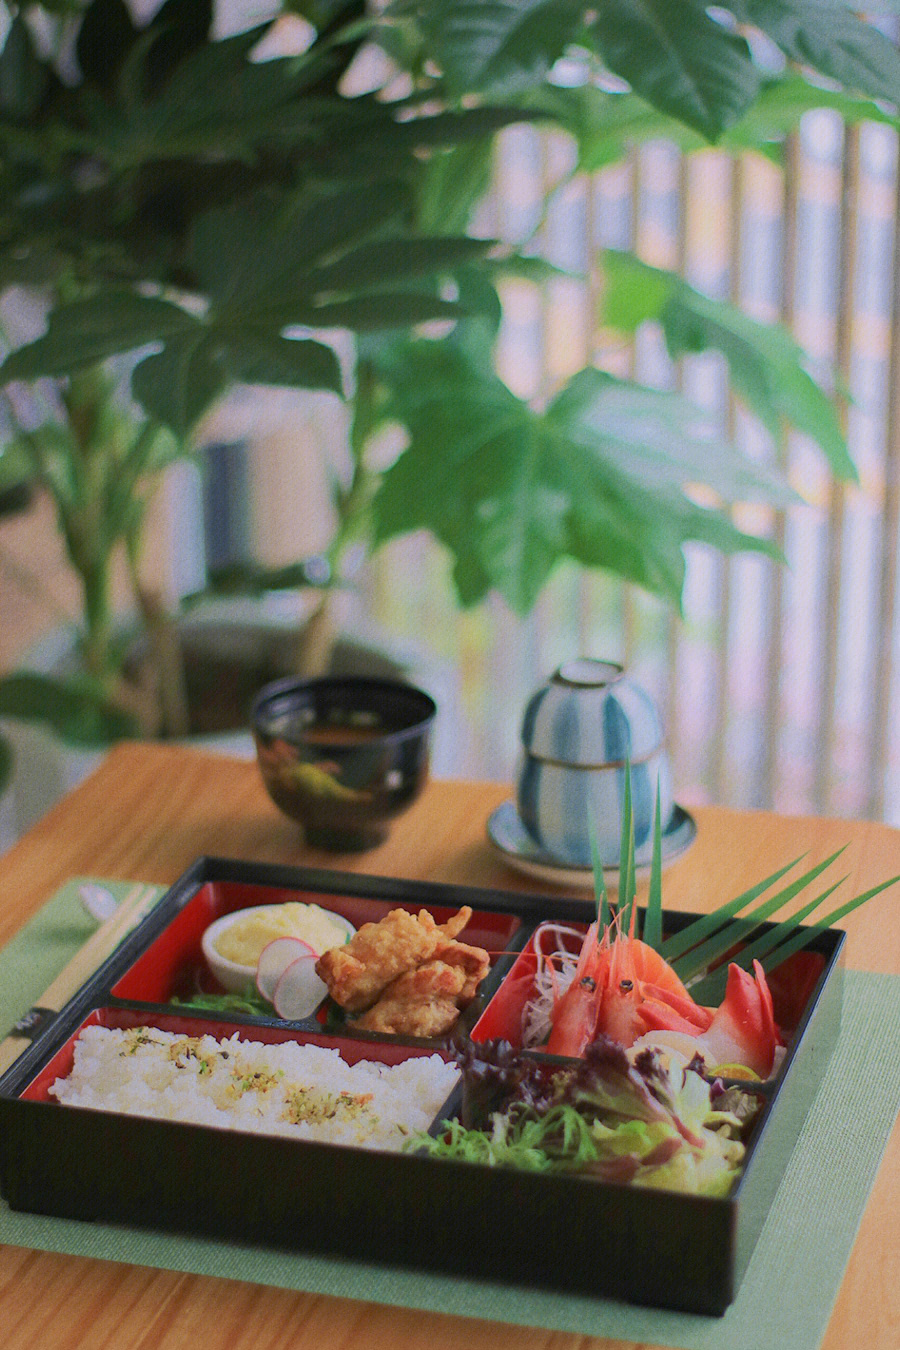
column 779, row 685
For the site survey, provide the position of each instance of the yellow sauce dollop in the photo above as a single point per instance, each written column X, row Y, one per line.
column 243, row 941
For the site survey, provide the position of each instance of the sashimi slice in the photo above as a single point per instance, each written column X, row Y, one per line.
column 299, row 991
column 274, row 960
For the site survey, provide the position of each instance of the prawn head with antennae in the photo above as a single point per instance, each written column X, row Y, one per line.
column 615, row 975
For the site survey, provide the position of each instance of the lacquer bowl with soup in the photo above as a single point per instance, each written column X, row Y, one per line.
column 343, row 755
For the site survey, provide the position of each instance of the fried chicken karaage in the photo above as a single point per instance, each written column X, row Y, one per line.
column 407, row 975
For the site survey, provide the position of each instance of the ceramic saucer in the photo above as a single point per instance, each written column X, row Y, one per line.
column 511, row 839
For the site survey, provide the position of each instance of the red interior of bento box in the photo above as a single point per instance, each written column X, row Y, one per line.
column 791, row 984
column 383, row 1052
column 173, row 964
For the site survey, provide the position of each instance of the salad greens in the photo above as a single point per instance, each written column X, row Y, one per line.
column 639, row 1122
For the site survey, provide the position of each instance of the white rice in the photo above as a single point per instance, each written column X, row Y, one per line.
column 301, row 1091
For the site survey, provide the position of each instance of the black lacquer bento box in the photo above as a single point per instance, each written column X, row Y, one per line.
column 647, row 1246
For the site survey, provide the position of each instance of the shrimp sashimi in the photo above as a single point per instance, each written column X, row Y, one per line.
column 622, row 988
column 607, row 992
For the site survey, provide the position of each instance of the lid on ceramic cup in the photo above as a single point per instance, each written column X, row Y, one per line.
column 591, row 713
column 586, row 673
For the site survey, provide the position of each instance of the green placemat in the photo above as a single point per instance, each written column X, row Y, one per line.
column 786, row 1297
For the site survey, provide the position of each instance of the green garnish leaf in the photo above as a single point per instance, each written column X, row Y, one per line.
column 627, row 883
column 250, row 1002
column 690, row 936
column 700, row 958
column 600, row 891
column 653, row 915
column 712, row 989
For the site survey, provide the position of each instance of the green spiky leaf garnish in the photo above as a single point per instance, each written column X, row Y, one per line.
column 697, row 952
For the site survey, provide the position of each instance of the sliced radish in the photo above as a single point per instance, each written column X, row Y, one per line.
column 299, row 991
column 274, row 960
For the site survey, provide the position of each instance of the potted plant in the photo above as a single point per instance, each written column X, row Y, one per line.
column 195, row 210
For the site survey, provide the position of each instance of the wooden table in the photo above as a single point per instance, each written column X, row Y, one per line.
column 149, row 811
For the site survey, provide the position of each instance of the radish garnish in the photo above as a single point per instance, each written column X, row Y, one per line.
column 299, row 991
column 274, row 960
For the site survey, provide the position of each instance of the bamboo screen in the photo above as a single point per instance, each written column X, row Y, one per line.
column 779, row 685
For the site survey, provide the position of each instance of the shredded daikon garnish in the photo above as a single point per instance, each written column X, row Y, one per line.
column 555, row 971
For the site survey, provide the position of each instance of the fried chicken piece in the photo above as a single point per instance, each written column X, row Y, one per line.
column 473, row 961
column 420, row 1002
column 427, row 1001
column 380, row 952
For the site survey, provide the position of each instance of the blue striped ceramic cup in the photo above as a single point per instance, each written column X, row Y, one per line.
column 578, row 733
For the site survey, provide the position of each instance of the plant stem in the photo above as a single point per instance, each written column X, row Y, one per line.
column 353, row 504
column 313, row 648
column 96, row 643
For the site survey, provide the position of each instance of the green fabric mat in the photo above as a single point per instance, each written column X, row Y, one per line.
column 784, row 1300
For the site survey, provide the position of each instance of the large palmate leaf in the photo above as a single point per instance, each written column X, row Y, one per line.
column 600, row 476
column 263, row 269
column 831, row 38
column 679, row 59
column 766, row 366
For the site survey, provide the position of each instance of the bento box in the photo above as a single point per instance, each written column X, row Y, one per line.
column 75, row 1157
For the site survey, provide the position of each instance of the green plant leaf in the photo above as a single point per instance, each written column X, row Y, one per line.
column 6, row 764
column 266, row 358
column 183, row 28
column 478, row 45
column 385, row 262
column 212, row 82
column 23, row 77
column 600, row 476
column 104, row 39
column 252, row 252
column 600, row 893
column 87, row 331
column 74, row 709
column 659, row 439
column 695, row 933
column 176, row 386
column 766, row 365
column 627, row 877
column 679, row 59
column 607, row 125
column 452, row 181
column 830, row 38
column 766, row 368
column 374, row 313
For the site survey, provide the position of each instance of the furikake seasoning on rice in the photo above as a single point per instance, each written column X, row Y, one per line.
column 301, row 1091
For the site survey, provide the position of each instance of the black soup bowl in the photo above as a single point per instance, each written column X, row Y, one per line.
column 343, row 755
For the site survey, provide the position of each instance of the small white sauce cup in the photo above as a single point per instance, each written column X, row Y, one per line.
column 232, row 976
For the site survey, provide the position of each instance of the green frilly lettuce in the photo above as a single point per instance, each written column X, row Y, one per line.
column 639, row 1123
